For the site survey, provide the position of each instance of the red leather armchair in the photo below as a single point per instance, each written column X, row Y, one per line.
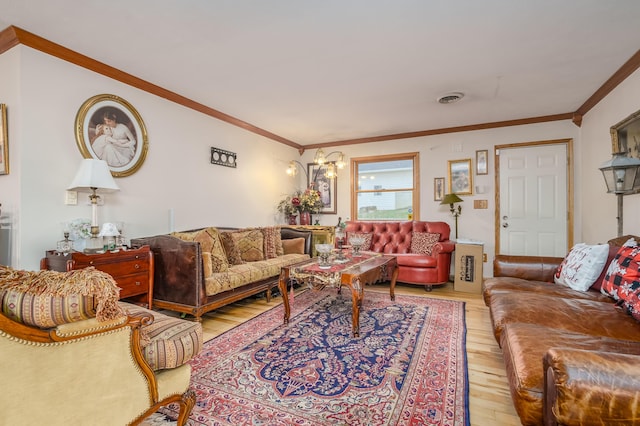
column 395, row 238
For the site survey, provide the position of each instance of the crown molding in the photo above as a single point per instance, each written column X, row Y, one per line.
column 13, row 36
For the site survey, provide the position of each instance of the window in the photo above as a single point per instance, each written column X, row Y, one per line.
column 385, row 187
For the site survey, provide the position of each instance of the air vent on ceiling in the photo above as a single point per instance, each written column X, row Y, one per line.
column 450, row 98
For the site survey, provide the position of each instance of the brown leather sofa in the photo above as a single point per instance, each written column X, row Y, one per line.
column 396, row 238
column 184, row 283
column 572, row 358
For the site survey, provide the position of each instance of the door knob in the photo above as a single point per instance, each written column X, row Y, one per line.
column 505, row 225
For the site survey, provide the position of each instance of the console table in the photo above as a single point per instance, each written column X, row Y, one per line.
column 132, row 269
column 320, row 234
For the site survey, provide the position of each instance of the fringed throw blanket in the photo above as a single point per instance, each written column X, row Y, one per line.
column 47, row 299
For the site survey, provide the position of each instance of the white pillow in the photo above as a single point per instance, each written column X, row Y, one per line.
column 582, row 266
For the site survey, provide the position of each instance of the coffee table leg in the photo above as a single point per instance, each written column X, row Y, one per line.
column 282, row 285
column 392, row 287
column 357, row 294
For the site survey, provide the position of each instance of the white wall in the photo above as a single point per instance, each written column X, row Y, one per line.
column 44, row 94
column 176, row 174
column 599, row 208
column 435, row 151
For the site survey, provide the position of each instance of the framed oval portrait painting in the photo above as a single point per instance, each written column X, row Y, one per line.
column 109, row 128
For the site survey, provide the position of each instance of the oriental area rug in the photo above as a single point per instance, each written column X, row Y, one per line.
column 408, row 367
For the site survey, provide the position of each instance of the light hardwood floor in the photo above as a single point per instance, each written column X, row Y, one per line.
column 489, row 399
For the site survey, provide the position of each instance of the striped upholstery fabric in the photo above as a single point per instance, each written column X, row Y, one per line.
column 168, row 342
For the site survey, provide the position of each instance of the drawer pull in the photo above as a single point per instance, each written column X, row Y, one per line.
column 136, row 266
column 138, row 283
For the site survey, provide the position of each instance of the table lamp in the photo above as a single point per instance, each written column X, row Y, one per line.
column 93, row 175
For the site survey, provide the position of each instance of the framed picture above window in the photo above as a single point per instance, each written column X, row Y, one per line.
column 460, row 177
column 328, row 188
column 109, row 128
column 482, row 162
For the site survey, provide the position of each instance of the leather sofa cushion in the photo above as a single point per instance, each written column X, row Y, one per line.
column 576, row 315
column 524, row 346
column 416, row 260
column 511, row 284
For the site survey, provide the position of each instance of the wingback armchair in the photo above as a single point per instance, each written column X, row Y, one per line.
column 89, row 369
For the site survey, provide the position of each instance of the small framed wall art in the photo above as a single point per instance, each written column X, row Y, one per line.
column 625, row 136
column 438, row 189
column 4, row 141
column 109, row 128
column 460, row 177
column 482, row 162
column 328, row 188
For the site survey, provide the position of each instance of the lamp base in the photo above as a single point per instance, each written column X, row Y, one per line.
column 94, row 244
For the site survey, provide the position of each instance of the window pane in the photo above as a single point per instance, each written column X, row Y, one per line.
column 384, row 205
column 384, row 175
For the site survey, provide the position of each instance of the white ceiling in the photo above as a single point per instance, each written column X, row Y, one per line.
column 329, row 70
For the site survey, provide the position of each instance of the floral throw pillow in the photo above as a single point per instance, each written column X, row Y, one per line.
column 582, row 266
column 622, row 280
column 423, row 242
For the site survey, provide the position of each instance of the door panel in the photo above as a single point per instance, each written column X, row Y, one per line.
column 533, row 191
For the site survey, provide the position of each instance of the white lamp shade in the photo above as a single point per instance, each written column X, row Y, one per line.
column 93, row 174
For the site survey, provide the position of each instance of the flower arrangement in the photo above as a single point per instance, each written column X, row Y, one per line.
column 301, row 201
column 287, row 207
column 80, row 229
column 310, row 201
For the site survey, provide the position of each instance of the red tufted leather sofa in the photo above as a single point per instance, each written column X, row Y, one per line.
column 395, row 238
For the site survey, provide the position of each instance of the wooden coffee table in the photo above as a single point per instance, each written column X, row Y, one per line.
column 355, row 274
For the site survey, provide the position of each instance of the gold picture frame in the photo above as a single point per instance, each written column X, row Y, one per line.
column 438, row 189
column 460, row 177
column 482, row 162
column 625, row 136
column 109, row 128
column 4, row 141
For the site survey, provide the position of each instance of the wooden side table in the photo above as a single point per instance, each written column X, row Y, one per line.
column 132, row 269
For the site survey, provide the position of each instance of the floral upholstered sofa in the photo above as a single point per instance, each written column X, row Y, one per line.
column 422, row 248
column 71, row 353
column 204, row 269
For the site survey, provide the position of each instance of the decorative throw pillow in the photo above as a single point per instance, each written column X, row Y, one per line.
column 250, row 244
column 272, row 239
column 232, row 252
column 209, row 239
column 293, row 246
column 623, row 275
column 184, row 236
column 582, row 266
column 423, row 242
column 367, row 236
column 613, row 250
column 46, row 299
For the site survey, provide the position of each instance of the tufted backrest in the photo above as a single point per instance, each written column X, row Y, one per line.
column 395, row 237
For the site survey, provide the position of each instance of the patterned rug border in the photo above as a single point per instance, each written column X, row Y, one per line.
column 304, row 300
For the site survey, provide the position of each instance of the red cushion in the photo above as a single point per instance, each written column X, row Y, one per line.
column 613, row 250
column 622, row 280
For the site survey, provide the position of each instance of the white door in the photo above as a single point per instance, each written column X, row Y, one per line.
column 533, row 216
